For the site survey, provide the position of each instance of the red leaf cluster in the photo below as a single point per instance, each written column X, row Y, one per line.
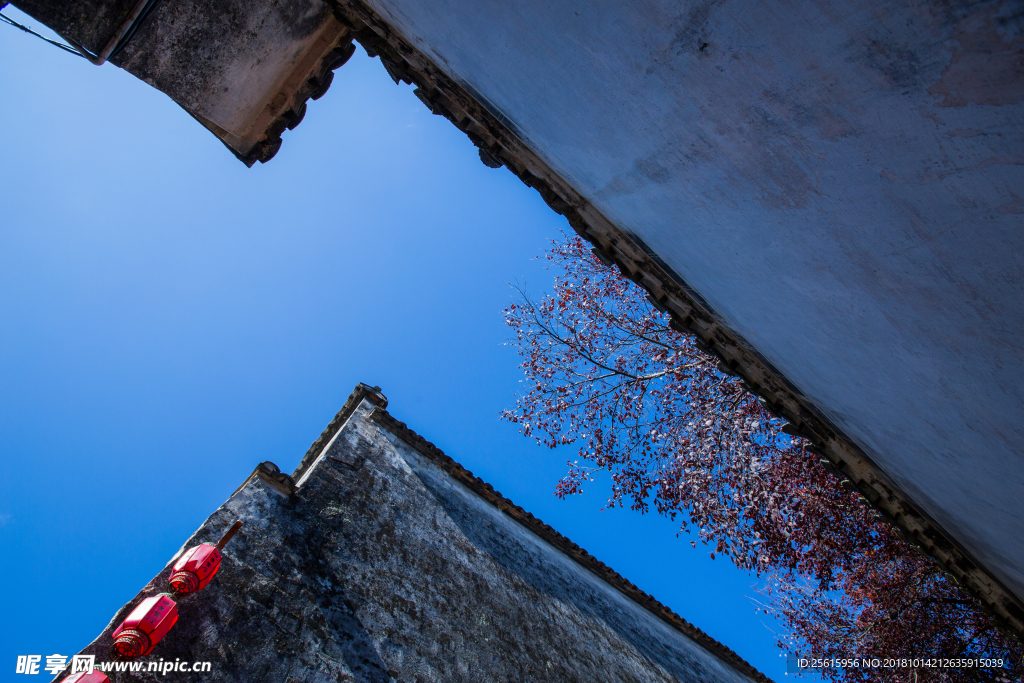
column 638, row 400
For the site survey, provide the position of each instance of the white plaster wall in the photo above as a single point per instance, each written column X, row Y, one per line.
column 841, row 181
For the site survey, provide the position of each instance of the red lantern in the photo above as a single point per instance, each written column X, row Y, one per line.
column 93, row 677
column 196, row 567
column 145, row 626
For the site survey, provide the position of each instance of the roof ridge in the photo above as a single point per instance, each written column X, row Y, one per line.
column 372, row 394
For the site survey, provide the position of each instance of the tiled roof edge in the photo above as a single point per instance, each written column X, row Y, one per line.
column 564, row 545
column 361, row 391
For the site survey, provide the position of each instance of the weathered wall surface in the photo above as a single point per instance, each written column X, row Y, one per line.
column 227, row 60
column 243, row 69
column 841, row 183
column 383, row 567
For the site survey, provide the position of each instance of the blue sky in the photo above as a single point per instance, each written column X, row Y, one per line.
column 169, row 319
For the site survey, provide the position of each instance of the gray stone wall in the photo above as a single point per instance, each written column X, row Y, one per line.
column 840, row 182
column 383, row 566
column 826, row 193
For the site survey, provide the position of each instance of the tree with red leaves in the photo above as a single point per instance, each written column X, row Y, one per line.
column 640, row 401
